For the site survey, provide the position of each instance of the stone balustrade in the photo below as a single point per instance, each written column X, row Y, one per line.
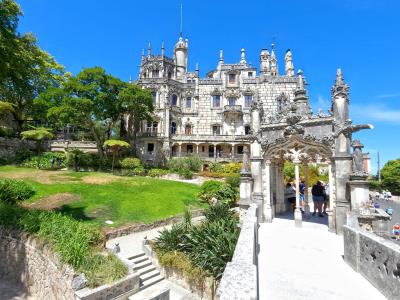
column 239, row 280
column 374, row 257
column 233, row 109
column 85, row 146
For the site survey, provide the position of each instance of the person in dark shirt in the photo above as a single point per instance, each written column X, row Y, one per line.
column 318, row 192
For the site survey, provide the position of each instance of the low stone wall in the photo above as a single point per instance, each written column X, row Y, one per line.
column 62, row 146
column 27, row 263
column 374, row 257
column 119, row 290
column 239, row 280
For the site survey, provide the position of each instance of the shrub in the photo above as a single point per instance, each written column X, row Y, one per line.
column 218, row 212
column 192, row 163
column 216, row 168
column 232, row 168
column 14, row 191
column 23, row 154
column 186, row 174
column 226, row 195
column 157, row 172
column 208, row 190
column 44, row 161
column 170, row 239
column 233, row 181
column 130, row 163
column 213, row 174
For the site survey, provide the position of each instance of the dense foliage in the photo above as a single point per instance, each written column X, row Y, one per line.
column 48, row 161
column 180, row 164
column 390, row 174
column 75, row 241
column 223, row 192
column 208, row 245
column 14, row 191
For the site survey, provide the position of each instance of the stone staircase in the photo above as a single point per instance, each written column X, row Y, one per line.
column 149, row 276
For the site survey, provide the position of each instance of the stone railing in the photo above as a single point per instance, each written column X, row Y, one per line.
column 374, row 257
column 85, row 146
column 210, row 81
column 239, row 280
column 233, row 109
column 205, row 138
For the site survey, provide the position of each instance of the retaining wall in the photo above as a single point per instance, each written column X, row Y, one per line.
column 30, row 265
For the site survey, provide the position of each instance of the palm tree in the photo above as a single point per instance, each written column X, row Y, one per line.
column 115, row 146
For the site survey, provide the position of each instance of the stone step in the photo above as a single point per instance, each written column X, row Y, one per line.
column 147, row 269
column 136, row 255
column 149, row 282
column 152, row 292
column 138, row 260
column 148, row 275
column 142, row 265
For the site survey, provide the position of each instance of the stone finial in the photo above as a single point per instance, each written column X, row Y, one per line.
column 339, row 77
column 273, row 63
column 162, row 49
column 243, row 56
column 264, row 62
column 221, row 57
column 358, row 159
column 289, row 69
column 187, row 43
column 197, row 70
column 300, row 85
column 149, row 49
column 340, row 87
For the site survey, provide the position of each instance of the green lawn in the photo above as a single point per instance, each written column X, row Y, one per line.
column 97, row 197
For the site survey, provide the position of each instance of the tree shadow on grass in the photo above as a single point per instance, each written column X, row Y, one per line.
column 78, row 213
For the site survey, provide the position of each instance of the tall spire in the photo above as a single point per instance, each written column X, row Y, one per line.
column 221, row 56
column 274, row 64
column 162, row 49
column 149, row 50
column 300, row 97
column 243, row 56
column 142, row 55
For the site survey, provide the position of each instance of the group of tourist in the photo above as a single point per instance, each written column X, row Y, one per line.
column 320, row 196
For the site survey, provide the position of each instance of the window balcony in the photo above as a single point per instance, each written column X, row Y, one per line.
column 233, row 110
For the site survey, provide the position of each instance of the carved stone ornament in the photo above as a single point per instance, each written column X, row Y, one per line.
column 216, row 92
column 232, row 93
column 293, row 129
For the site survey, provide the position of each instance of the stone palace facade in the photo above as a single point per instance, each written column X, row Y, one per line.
column 210, row 116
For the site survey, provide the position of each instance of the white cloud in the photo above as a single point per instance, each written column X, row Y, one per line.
column 376, row 113
column 383, row 96
column 323, row 102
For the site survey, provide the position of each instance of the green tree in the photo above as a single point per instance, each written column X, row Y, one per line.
column 89, row 101
column 390, row 174
column 39, row 135
column 115, row 146
column 137, row 103
column 26, row 70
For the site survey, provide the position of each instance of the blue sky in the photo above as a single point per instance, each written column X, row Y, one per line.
column 360, row 36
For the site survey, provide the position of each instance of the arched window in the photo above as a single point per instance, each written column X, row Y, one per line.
column 173, row 128
column 174, row 100
column 155, row 73
column 154, row 94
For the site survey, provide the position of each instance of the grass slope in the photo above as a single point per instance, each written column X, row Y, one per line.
column 103, row 196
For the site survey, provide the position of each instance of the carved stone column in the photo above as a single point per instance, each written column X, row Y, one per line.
column 306, row 196
column 256, row 172
column 332, row 198
column 279, row 189
column 267, row 209
column 297, row 211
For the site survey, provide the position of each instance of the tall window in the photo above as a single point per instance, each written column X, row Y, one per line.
column 188, row 129
column 155, row 73
column 231, row 101
column 173, row 128
column 232, row 78
column 216, row 130
column 174, row 100
column 216, row 101
column 247, row 130
column 189, row 102
column 154, row 94
column 248, row 99
column 150, row 148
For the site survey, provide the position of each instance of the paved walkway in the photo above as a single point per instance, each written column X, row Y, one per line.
column 307, row 263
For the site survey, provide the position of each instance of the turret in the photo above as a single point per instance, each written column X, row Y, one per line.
column 301, row 98
column 274, row 63
column 149, row 50
column 181, row 57
column 340, row 99
column 243, row 56
column 289, row 69
column 264, row 62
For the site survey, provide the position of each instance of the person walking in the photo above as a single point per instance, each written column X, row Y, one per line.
column 302, row 187
column 326, row 199
column 290, row 195
column 317, row 192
